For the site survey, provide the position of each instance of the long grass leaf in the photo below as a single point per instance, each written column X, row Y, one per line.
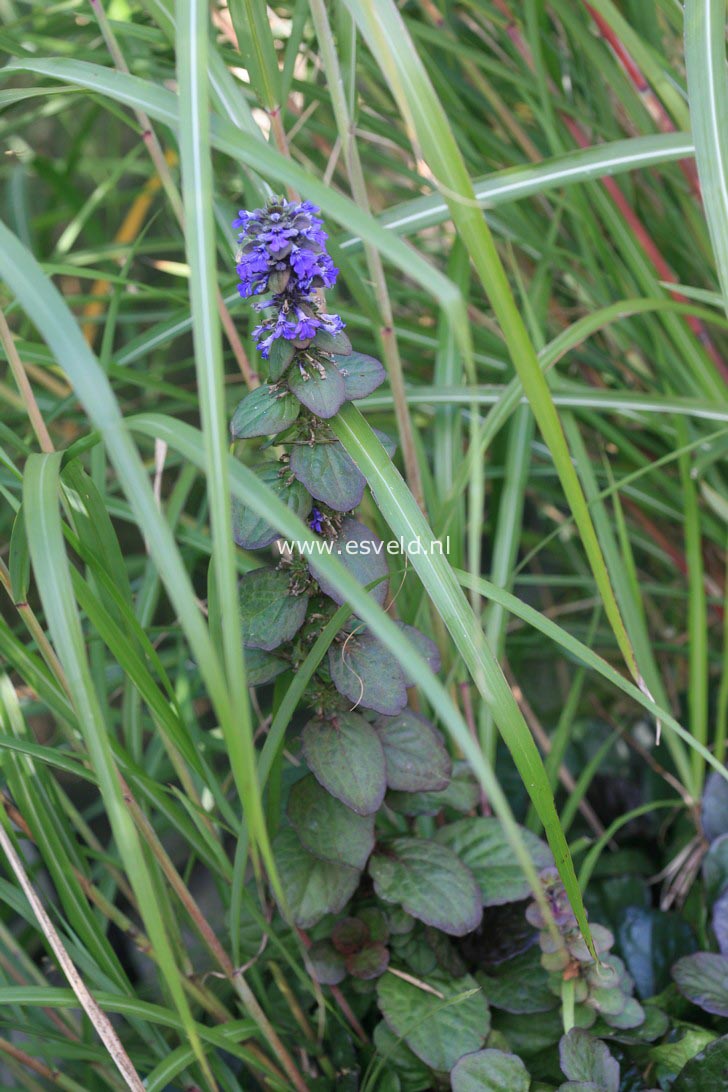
column 697, row 628
column 587, row 656
column 708, row 93
column 197, row 194
column 516, row 183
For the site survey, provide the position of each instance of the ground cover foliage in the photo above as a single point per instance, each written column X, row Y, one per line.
column 283, row 287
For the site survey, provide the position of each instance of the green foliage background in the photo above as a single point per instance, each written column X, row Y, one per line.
column 557, row 378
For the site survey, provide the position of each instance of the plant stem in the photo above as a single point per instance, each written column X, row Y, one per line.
column 26, row 391
column 100, row 1021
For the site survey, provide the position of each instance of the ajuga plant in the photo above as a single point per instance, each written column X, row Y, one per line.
column 381, row 895
column 596, row 989
column 312, row 371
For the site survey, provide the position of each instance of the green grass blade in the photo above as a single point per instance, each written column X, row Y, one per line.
column 517, row 183
column 652, row 64
column 697, row 627
column 708, row 94
column 223, row 1038
column 250, row 21
column 587, row 656
column 52, row 756
column 583, row 781
column 197, row 195
column 506, row 399
column 592, row 858
column 508, row 528
column 620, row 573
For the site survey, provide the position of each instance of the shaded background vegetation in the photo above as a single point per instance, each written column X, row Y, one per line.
column 610, row 262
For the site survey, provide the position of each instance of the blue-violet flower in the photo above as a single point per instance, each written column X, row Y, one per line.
column 285, row 239
column 282, row 250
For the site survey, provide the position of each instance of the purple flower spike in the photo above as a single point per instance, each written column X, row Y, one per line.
column 297, row 319
column 284, row 236
column 282, row 250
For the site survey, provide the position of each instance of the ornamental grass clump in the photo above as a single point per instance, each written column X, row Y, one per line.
column 287, row 868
